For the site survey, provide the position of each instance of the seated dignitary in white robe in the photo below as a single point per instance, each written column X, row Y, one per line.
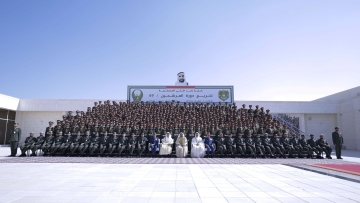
column 197, row 147
column 181, row 146
column 166, row 145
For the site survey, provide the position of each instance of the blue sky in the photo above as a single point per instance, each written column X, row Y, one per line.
column 269, row 50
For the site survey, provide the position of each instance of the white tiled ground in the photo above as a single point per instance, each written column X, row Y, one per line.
column 45, row 182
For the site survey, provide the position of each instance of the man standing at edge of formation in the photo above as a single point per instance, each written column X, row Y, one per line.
column 14, row 139
column 338, row 142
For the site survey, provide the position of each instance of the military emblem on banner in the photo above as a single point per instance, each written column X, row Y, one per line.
column 137, row 95
column 223, row 94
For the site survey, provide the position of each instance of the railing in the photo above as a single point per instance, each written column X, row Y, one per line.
column 290, row 126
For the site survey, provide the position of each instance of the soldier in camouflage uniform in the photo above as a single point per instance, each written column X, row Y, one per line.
column 240, row 145
column 132, row 144
column 113, row 143
column 38, row 144
column 221, row 145
column 94, row 145
column 85, row 143
column 123, row 141
column 305, row 146
column 95, row 129
column 250, row 146
column 48, row 129
column 287, row 145
column 58, row 141
column 29, row 141
column 231, row 145
column 269, row 148
column 82, row 129
column 314, row 147
column 258, row 146
column 75, row 144
column 68, row 139
column 104, row 144
column 278, row 146
column 296, row 144
column 48, row 143
column 142, row 140
column 324, row 145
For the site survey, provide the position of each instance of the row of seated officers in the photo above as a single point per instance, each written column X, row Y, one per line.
column 137, row 146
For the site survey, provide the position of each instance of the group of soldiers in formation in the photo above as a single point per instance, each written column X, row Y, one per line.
column 118, row 128
column 135, row 145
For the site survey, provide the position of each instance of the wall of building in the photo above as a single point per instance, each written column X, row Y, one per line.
column 317, row 124
column 349, row 122
column 57, row 104
column 357, row 121
column 36, row 121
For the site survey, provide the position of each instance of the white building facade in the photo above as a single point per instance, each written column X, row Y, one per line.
column 316, row 117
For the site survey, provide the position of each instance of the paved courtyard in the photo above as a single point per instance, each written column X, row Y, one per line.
column 109, row 182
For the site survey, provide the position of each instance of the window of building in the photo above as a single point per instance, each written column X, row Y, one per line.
column 7, row 120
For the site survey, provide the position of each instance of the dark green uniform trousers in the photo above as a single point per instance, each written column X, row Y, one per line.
column 14, row 146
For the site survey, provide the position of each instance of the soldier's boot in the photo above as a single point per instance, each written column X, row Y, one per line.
column 33, row 150
column 111, row 151
column 72, row 151
column 52, row 151
column 300, row 153
column 233, row 151
column 44, row 151
column 318, row 156
column 63, row 149
column 23, row 151
column 82, row 151
column 291, row 153
column 141, row 151
column 131, row 151
column 271, row 152
column 312, row 155
column 281, row 155
column 252, row 153
column 102, row 153
column 242, row 155
column 329, row 154
column 91, row 151
column 262, row 154
column 120, row 151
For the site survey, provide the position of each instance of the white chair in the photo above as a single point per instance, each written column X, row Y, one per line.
column 39, row 152
column 28, row 152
